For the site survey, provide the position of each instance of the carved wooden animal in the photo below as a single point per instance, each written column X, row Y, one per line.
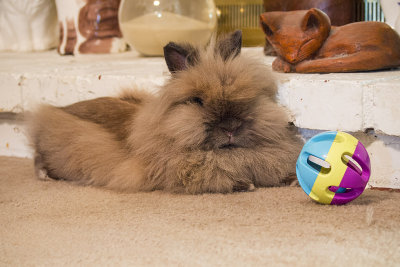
column 339, row 11
column 305, row 42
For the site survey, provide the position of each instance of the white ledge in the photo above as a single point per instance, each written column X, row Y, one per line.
column 348, row 102
column 340, row 101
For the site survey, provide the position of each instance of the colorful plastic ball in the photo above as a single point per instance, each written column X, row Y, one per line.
column 333, row 168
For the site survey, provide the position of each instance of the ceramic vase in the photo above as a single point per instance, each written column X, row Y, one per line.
column 391, row 10
column 27, row 25
column 89, row 26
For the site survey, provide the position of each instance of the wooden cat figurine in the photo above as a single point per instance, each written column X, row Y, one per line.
column 340, row 12
column 305, row 42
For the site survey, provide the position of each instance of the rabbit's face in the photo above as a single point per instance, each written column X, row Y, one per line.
column 217, row 100
column 219, row 105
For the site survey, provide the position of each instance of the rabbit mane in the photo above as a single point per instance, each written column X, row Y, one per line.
column 180, row 132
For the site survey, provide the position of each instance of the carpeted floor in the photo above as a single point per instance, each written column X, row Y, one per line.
column 57, row 223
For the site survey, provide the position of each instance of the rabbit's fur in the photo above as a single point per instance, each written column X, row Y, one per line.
column 213, row 127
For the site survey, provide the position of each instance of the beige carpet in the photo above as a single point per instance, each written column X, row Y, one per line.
column 57, row 223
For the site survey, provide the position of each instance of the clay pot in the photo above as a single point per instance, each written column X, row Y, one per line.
column 89, row 26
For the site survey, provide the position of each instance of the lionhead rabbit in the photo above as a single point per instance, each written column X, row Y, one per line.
column 213, row 127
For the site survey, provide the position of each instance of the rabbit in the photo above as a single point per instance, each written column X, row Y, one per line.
column 214, row 127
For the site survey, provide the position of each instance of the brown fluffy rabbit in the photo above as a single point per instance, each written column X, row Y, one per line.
column 213, row 127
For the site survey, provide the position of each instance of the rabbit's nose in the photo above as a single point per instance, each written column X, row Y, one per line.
column 230, row 128
column 229, row 134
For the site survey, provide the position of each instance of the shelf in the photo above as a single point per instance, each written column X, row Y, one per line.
column 345, row 101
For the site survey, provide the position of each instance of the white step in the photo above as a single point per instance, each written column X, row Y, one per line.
column 316, row 102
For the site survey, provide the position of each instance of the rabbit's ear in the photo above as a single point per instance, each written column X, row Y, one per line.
column 230, row 46
column 179, row 57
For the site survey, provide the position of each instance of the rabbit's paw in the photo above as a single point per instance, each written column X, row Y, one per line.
column 204, row 180
column 281, row 66
column 243, row 187
column 40, row 170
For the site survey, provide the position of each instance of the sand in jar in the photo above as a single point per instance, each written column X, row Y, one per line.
column 151, row 32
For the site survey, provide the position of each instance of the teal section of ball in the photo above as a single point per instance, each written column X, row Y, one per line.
column 318, row 146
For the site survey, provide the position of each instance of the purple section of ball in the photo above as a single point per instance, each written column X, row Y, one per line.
column 353, row 179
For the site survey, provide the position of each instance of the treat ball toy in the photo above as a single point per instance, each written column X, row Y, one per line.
column 333, row 168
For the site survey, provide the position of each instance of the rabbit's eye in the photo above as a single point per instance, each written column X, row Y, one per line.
column 196, row 100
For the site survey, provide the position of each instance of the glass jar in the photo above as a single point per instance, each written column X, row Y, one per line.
column 148, row 25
